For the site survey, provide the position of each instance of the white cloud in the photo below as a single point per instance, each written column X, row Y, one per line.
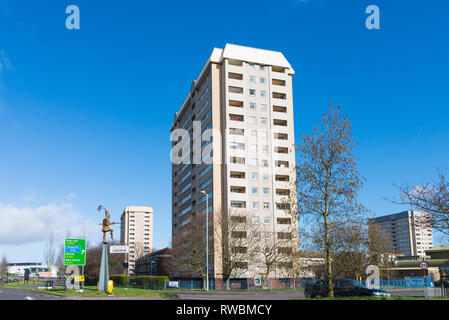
column 71, row 196
column 26, row 224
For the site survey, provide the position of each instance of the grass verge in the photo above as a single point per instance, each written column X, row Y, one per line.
column 91, row 291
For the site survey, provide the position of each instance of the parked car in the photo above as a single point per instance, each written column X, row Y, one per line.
column 342, row 288
column 437, row 284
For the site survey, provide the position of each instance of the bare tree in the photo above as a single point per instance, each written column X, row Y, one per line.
column 50, row 253
column 276, row 249
column 4, row 267
column 189, row 248
column 93, row 261
column 432, row 198
column 327, row 178
column 235, row 241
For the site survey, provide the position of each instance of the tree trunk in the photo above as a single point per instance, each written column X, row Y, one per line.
column 328, row 256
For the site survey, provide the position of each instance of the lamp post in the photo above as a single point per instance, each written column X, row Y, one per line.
column 207, row 239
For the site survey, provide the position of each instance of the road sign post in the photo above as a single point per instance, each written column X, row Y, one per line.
column 75, row 252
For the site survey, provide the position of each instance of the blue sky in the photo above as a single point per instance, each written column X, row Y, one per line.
column 85, row 114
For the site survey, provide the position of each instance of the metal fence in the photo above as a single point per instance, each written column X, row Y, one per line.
column 273, row 284
column 436, row 293
column 407, row 282
column 230, row 285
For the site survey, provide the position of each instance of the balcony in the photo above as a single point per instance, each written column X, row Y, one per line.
column 278, row 82
column 238, row 204
column 282, row 192
column 279, row 122
column 278, row 69
column 235, row 76
column 284, row 221
column 282, row 178
column 280, row 136
column 279, row 95
column 238, row 189
column 237, row 175
column 237, row 131
column 236, row 103
column 236, row 117
column 237, row 160
column 280, row 109
column 281, row 150
column 237, row 90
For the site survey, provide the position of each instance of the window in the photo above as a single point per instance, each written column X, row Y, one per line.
column 252, row 120
column 255, row 205
column 254, row 191
column 263, row 135
column 252, row 106
column 256, row 235
column 263, row 120
column 253, row 147
column 265, row 177
column 262, row 79
column 253, row 133
column 264, row 149
column 263, row 94
column 266, row 220
column 261, row 68
column 252, row 92
column 254, row 176
column 252, row 79
column 263, row 107
column 266, row 191
column 251, row 65
column 252, row 162
column 256, row 220
column 266, row 235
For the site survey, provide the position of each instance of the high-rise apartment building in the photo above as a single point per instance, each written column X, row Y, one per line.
column 405, row 232
column 233, row 138
column 136, row 231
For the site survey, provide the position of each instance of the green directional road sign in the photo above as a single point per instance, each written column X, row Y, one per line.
column 75, row 252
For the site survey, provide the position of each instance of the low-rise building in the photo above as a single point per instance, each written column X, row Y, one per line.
column 154, row 264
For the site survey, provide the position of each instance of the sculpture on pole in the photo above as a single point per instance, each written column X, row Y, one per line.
column 106, row 223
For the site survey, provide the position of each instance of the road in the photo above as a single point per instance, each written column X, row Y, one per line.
column 18, row 294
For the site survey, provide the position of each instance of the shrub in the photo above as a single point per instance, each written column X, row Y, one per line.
column 90, row 281
column 150, row 282
column 118, row 279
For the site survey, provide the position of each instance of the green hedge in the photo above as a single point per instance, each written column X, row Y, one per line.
column 90, row 281
column 149, row 282
column 118, row 279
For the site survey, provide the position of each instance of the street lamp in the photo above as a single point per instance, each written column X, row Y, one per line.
column 207, row 239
